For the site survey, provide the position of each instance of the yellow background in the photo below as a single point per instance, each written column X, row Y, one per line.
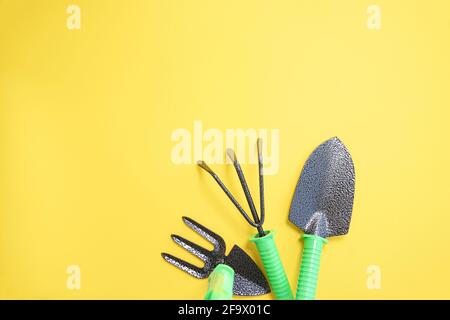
column 87, row 116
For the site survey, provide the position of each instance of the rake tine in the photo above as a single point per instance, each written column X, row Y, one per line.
column 261, row 181
column 244, row 185
column 205, row 167
column 185, row 266
column 215, row 239
column 193, row 248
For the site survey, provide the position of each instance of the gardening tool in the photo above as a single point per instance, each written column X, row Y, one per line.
column 248, row 278
column 322, row 207
column 264, row 240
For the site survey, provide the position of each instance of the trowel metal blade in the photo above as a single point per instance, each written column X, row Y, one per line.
column 323, row 198
column 248, row 278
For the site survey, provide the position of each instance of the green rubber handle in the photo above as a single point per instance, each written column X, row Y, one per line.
column 309, row 268
column 272, row 264
column 220, row 283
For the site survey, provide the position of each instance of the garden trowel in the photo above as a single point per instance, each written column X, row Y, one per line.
column 322, row 207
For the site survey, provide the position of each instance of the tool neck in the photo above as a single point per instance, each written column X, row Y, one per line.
column 261, row 232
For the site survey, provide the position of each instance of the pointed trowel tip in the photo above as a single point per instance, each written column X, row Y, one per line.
column 334, row 139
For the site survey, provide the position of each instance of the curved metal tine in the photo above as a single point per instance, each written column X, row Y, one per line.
column 261, row 180
column 193, row 248
column 215, row 239
column 244, row 185
column 205, row 167
column 187, row 267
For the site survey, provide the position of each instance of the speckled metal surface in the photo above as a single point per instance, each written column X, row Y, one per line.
column 248, row 280
column 323, row 198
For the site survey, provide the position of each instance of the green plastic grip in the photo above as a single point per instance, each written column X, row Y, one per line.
column 220, row 283
column 272, row 264
column 309, row 268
